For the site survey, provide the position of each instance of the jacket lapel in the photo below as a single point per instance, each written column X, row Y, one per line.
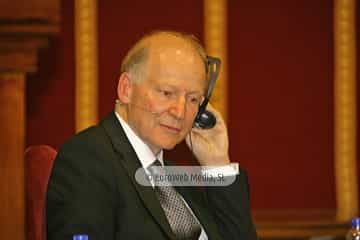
column 131, row 163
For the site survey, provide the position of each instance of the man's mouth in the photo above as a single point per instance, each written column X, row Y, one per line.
column 171, row 128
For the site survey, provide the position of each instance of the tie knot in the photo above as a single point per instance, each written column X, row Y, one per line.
column 156, row 169
column 157, row 163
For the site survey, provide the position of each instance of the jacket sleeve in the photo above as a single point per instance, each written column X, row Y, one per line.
column 81, row 195
column 230, row 206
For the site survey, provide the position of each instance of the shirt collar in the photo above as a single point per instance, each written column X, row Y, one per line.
column 142, row 150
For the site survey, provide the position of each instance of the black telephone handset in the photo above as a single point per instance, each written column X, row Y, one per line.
column 205, row 119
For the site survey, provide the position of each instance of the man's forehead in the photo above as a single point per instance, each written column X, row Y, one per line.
column 183, row 82
column 177, row 63
column 181, row 54
column 167, row 52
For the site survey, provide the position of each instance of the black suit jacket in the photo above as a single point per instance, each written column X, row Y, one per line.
column 92, row 190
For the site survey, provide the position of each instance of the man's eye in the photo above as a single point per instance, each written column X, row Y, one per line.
column 166, row 93
column 195, row 100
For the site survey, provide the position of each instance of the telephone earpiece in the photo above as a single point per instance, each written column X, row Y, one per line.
column 205, row 120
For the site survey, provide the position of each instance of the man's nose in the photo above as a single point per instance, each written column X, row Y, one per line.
column 178, row 107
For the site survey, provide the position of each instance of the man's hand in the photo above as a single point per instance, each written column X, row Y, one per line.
column 210, row 146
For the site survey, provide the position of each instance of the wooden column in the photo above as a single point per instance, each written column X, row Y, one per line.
column 345, row 109
column 215, row 30
column 12, row 199
column 86, row 111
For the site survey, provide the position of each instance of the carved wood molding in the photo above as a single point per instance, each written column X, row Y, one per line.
column 42, row 11
column 25, row 28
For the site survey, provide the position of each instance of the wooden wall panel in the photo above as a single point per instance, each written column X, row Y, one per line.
column 281, row 101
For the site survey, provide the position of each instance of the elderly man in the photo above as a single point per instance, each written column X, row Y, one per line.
column 92, row 188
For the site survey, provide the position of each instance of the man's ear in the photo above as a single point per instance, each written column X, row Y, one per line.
column 124, row 88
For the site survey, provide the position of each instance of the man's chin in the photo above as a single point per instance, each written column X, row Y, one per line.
column 169, row 146
column 168, row 143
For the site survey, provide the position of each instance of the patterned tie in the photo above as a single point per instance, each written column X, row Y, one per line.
column 181, row 220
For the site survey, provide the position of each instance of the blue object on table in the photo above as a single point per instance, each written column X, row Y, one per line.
column 354, row 232
column 80, row 237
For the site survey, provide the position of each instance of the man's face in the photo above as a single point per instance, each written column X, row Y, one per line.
column 163, row 106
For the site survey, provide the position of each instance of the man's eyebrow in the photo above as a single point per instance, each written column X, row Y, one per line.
column 169, row 85
column 196, row 92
